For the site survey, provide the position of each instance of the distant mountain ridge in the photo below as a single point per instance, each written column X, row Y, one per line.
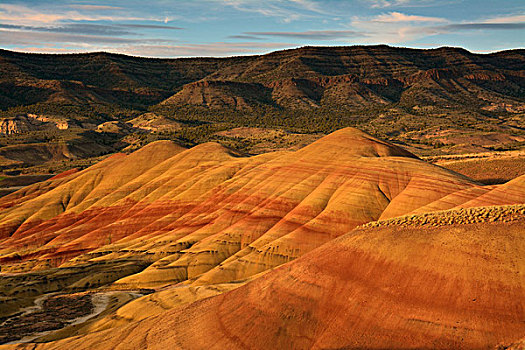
column 304, row 78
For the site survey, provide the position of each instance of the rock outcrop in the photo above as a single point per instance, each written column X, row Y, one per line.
column 25, row 123
column 17, row 125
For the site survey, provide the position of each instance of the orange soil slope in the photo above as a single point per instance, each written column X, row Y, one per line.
column 455, row 286
column 209, row 216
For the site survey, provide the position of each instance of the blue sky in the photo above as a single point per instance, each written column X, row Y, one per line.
column 182, row 28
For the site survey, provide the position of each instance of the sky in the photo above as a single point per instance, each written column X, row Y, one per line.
column 190, row 28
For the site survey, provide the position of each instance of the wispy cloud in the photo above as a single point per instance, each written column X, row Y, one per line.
column 18, row 37
column 499, row 23
column 48, row 49
column 170, row 50
column 393, row 27
column 207, row 49
column 96, row 7
column 474, row 26
column 285, row 10
column 397, row 27
column 149, row 26
column 80, row 27
column 387, row 3
column 312, row 6
column 506, row 19
column 394, row 17
column 24, row 15
column 245, row 37
column 312, row 34
column 90, row 28
column 269, row 10
column 415, row 32
column 74, row 28
column 391, row 4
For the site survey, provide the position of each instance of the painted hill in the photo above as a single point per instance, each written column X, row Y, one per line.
column 453, row 286
column 456, row 285
column 208, row 214
column 190, row 224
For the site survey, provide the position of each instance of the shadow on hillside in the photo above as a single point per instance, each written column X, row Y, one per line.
column 493, row 181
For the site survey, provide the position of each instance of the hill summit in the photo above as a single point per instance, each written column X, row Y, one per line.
column 351, row 142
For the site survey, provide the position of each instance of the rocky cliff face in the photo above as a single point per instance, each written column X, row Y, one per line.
column 30, row 122
column 60, row 124
column 18, row 124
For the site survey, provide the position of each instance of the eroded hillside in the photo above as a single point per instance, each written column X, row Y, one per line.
column 189, row 224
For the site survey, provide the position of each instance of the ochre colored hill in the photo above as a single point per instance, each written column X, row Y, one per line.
column 217, row 234
column 208, row 215
column 458, row 285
